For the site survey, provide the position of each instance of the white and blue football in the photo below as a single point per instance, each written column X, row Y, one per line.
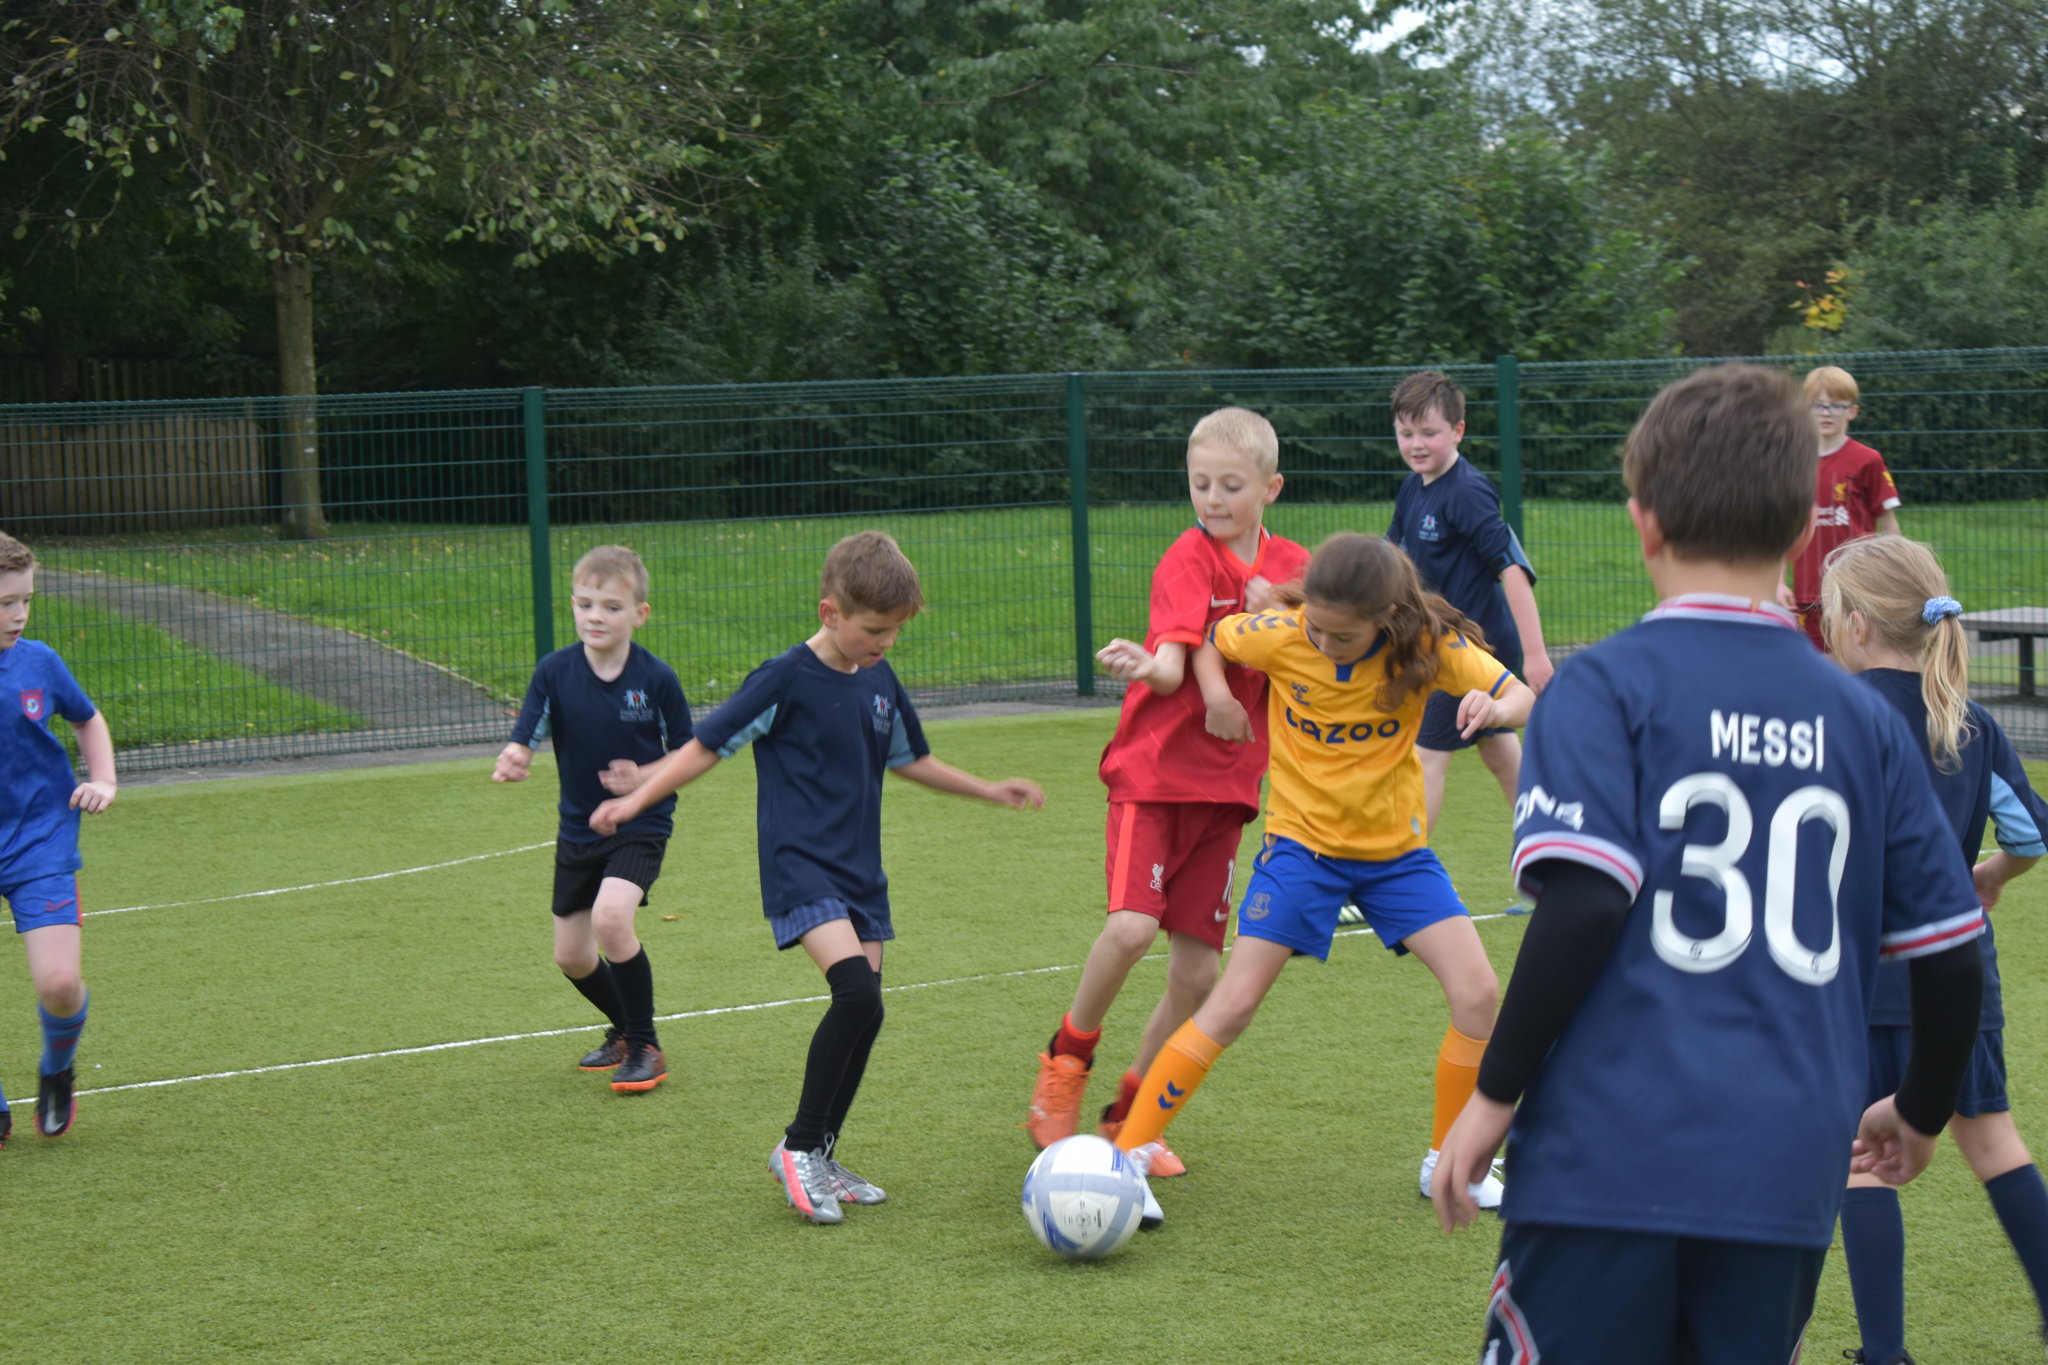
column 1083, row 1198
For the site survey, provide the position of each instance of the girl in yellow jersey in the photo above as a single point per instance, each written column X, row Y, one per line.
column 1350, row 668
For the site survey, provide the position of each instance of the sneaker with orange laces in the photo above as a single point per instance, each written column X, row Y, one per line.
column 1056, row 1099
column 1164, row 1162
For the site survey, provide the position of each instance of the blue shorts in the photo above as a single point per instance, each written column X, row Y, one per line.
column 41, row 902
column 1589, row 1296
column 791, row 925
column 1440, row 725
column 1983, row 1089
column 1295, row 894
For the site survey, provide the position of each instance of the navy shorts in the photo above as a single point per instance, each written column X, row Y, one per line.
column 1588, row 1296
column 1295, row 894
column 580, row 869
column 1983, row 1089
column 1439, row 729
column 791, row 925
column 41, row 902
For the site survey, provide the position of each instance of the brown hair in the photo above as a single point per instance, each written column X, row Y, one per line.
column 613, row 561
column 1726, row 458
column 1243, row 432
column 1428, row 391
column 1370, row 577
column 15, row 557
column 869, row 572
column 1831, row 381
column 1896, row 583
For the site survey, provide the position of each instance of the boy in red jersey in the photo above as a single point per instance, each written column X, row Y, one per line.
column 1853, row 491
column 1178, row 797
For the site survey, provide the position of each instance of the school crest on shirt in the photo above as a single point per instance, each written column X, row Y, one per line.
column 32, row 704
column 1429, row 530
column 635, row 705
column 883, row 713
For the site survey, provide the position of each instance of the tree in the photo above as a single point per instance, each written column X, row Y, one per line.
column 314, row 125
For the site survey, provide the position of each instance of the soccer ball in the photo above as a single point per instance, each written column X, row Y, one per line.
column 1083, row 1198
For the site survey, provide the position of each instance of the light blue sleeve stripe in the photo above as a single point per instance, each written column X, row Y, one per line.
column 899, row 744
column 543, row 727
column 753, row 730
column 2017, row 832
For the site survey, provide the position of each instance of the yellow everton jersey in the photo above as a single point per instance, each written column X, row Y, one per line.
column 1345, row 780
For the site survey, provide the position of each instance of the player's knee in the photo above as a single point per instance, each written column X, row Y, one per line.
column 60, row 990
column 856, row 988
column 1130, row 934
column 1474, row 993
column 575, row 965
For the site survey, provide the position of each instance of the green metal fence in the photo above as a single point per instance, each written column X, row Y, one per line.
column 1035, row 507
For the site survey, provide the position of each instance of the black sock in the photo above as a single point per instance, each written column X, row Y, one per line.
column 856, row 1005
column 2021, row 1203
column 602, row 991
column 856, row 1067
column 636, row 998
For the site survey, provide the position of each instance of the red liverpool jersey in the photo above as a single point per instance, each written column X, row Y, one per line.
column 1852, row 490
column 1160, row 751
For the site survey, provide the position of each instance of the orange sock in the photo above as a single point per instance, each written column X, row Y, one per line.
column 1457, row 1076
column 1180, row 1067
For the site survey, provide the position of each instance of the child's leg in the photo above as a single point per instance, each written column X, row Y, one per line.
column 1874, row 1252
column 1184, row 1060
column 1991, row 1144
column 576, row 954
column 1436, row 763
column 611, row 924
column 53, row 965
column 1127, row 935
column 857, row 1060
column 1502, row 755
column 855, row 1013
column 1451, row 949
column 1191, row 966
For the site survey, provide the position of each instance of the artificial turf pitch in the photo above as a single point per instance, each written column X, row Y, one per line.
column 343, row 1121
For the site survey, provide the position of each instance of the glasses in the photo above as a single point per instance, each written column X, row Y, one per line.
column 1832, row 409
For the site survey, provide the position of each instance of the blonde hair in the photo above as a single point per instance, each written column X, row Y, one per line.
column 1243, row 432
column 1832, row 381
column 15, row 557
column 1370, row 577
column 1726, row 458
column 868, row 571
column 613, row 561
column 1896, row 584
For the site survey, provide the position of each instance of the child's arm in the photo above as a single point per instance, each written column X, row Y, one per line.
column 1226, row 719
column 96, row 746
column 682, row 767
column 1162, row 670
column 1994, row 872
column 1521, row 594
column 515, row 761
column 1887, row 523
column 1018, row 793
column 1510, row 710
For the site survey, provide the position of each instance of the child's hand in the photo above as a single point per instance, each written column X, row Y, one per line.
column 1260, row 595
column 1018, row 793
column 609, row 815
column 1785, row 599
column 622, row 777
column 1888, row 1147
column 1477, row 711
column 1537, row 671
column 515, row 761
column 92, row 797
column 1228, row 722
column 1126, row 660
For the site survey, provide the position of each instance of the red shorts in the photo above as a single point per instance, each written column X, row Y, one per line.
column 1174, row 861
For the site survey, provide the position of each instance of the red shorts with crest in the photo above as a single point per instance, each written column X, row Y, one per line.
column 1174, row 861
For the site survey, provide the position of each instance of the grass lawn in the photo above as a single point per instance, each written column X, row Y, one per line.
column 343, row 1121
column 1000, row 582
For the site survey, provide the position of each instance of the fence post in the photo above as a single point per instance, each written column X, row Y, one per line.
column 1077, row 500
column 534, row 405
column 1507, row 372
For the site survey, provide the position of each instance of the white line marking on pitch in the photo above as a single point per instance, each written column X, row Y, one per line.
column 585, row 1028
column 322, row 886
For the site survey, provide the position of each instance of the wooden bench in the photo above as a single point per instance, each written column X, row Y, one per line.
column 2024, row 624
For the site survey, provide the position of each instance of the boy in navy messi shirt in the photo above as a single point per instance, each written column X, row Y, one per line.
column 40, row 798
column 1447, row 517
column 827, row 719
column 1724, row 833
column 610, row 707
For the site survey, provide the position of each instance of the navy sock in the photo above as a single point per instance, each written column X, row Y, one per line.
column 856, row 1006
column 1874, row 1241
column 601, row 990
column 636, row 998
column 60, row 1038
column 856, row 1067
column 2020, row 1200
